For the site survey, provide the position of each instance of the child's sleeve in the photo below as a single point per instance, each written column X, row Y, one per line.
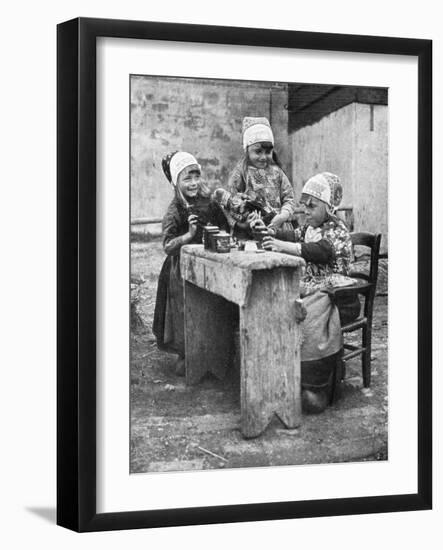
column 286, row 196
column 172, row 240
column 320, row 252
column 219, row 217
column 334, row 246
column 286, row 235
column 341, row 245
column 236, row 183
column 230, row 219
column 291, row 235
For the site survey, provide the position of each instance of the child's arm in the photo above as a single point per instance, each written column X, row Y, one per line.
column 269, row 243
column 340, row 241
column 236, row 183
column 219, row 217
column 172, row 240
column 291, row 235
column 287, row 196
column 287, row 203
column 320, row 252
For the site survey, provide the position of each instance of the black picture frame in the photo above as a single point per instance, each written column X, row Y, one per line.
column 76, row 280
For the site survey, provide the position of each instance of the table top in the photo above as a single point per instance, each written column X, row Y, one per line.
column 250, row 261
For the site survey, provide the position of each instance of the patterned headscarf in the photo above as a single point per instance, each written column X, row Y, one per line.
column 175, row 162
column 325, row 187
column 256, row 129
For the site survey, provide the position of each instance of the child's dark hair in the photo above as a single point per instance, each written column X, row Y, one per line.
column 276, row 160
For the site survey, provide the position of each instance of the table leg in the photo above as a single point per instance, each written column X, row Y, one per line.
column 208, row 333
column 270, row 352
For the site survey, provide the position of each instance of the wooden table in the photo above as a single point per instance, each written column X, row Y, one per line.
column 265, row 287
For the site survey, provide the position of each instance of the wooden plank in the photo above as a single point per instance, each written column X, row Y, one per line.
column 226, row 280
column 229, row 275
column 208, row 333
column 372, row 96
column 300, row 97
column 270, row 352
column 310, row 103
column 252, row 261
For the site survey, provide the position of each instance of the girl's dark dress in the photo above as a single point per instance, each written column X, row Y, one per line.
column 168, row 325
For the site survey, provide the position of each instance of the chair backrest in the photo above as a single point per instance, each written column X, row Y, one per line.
column 372, row 241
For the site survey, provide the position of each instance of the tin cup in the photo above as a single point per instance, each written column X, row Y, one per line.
column 222, row 242
column 208, row 232
column 258, row 235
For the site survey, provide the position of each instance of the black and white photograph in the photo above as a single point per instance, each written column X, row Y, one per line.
column 258, row 273
column 221, row 275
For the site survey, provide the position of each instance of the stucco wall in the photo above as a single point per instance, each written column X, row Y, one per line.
column 352, row 143
column 200, row 116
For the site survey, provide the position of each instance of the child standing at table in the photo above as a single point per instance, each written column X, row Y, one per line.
column 190, row 209
column 259, row 177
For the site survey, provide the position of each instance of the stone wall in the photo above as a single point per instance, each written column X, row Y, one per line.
column 200, row 116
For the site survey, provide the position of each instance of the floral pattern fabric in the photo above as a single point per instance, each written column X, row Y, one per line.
column 269, row 185
column 335, row 272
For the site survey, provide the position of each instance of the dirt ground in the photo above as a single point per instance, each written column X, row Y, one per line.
column 176, row 427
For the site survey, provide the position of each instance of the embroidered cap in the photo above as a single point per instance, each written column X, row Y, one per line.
column 325, row 187
column 255, row 130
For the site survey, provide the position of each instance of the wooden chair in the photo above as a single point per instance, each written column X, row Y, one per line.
column 366, row 287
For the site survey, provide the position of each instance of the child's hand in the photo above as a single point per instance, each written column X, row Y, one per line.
column 251, row 218
column 192, row 221
column 269, row 243
column 257, row 223
column 277, row 221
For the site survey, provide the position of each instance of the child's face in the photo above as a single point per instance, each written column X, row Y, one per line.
column 260, row 154
column 316, row 211
column 188, row 181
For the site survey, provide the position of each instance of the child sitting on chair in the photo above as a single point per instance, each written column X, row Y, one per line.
column 325, row 244
column 324, row 240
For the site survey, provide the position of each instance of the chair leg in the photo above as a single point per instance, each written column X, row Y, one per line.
column 333, row 383
column 366, row 357
column 337, row 377
column 342, row 367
